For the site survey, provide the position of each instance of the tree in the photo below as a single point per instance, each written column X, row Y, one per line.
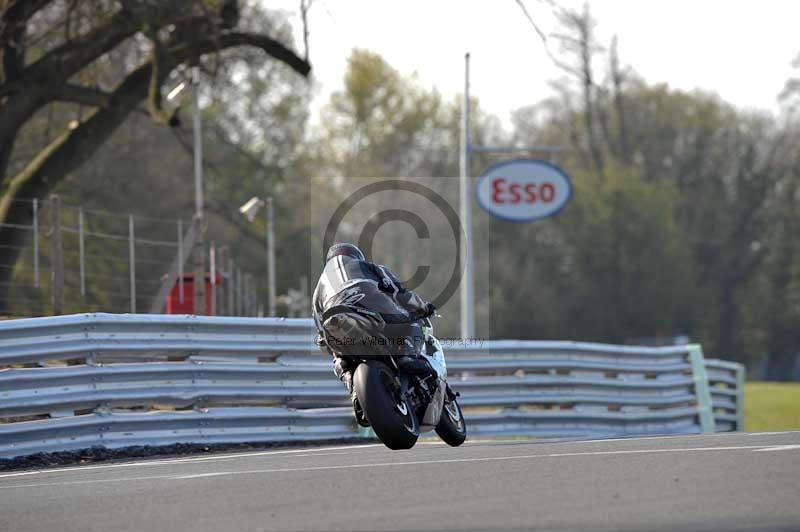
column 52, row 52
column 628, row 258
column 382, row 124
column 728, row 168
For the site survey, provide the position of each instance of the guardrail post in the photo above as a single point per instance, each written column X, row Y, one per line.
column 740, row 378
column 702, row 391
column 366, row 432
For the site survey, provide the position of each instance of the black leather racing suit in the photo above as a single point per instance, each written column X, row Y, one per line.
column 361, row 309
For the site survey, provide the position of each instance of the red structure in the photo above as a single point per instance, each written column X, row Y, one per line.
column 174, row 305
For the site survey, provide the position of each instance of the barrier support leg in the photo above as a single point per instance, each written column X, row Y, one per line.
column 702, row 389
column 740, row 378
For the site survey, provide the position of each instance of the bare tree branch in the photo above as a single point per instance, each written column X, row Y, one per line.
column 16, row 13
column 305, row 5
column 84, row 95
column 617, row 79
column 543, row 37
column 73, row 147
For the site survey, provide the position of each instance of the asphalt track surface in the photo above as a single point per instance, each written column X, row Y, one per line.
column 713, row 482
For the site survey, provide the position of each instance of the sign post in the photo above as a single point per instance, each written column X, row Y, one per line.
column 465, row 211
column 466, row 150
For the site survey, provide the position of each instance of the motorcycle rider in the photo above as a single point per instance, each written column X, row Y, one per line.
column 361, row 309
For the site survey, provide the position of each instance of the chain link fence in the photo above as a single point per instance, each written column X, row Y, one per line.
column 88, row 260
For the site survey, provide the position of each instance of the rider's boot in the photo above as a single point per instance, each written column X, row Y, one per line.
column 414, row 365
column 451, row 395
column 358, row 412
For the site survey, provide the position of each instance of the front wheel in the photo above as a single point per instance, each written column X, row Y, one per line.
column 451, row 428
column 391, row 415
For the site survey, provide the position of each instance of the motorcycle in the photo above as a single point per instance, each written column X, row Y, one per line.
column 399, row 405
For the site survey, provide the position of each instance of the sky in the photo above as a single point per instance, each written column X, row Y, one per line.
column 740, row 49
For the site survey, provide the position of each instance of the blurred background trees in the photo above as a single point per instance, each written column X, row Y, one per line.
column 73, row 72
column 685, row 219
column 701, row 198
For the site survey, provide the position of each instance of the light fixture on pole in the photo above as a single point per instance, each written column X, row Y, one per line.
column 199, row 200
column 250, row 211
column 251, row 207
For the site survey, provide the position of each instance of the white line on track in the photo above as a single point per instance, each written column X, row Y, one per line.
column 778, row 448
column 172, row 461
column 677, row 436
column 200, row 475
column 189, row 460
column 298, row 453
column 391, row 464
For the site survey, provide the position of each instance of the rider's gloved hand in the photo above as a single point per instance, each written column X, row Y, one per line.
column 429, row 311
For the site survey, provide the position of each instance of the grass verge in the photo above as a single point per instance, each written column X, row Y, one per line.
column 771, row 406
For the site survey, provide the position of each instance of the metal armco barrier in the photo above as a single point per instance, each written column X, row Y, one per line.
column 73, row 382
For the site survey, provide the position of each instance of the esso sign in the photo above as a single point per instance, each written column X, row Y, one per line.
column 523, row 190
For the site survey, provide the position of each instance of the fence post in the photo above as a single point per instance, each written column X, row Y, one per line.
column 702, row 391
column 57, row 259
column 224, row 273
column 246, row 294
column 81, row 251
column 230, row 287
column 36, row 242
column 180, row 261
column 199, row 269
column 132, row 260
column 305, row 306
column 253, row 293
column 238, row 292
column 174, row 276
column 212, row 270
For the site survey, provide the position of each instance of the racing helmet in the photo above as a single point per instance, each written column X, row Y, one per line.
column 343, row 248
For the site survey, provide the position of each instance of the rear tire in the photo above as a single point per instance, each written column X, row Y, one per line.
column 452, row 428
column 392, row 418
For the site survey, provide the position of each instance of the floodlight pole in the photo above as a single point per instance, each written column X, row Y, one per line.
column 467, row 280
column 199, row 249
column 271, row 255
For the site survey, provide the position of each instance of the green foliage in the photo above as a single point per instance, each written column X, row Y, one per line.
column 385, row 124
column 382, row 124
column 613, row 266
column 631, row 271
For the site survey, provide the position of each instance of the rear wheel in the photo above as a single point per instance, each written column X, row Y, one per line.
column 451, row 428
column 391, row 415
